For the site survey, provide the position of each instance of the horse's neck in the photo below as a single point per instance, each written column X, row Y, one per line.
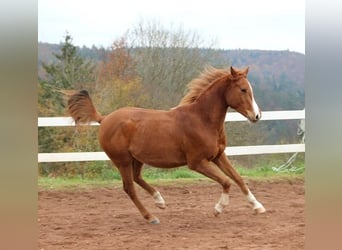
column 212, row 106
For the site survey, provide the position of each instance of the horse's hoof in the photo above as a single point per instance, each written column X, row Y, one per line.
column 260, row 210
column 161, row 205
column 155, row 221
column 216, row 213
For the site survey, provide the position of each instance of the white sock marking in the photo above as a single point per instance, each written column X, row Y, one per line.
column 223, row 201
column 251, row 199
column 158, row 198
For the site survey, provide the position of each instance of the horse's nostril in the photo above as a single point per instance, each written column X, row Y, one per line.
column 257, row 117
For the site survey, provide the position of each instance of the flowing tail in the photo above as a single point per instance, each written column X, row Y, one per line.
column 81, row 107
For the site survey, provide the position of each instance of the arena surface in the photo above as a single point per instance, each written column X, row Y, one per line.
column 105, row 218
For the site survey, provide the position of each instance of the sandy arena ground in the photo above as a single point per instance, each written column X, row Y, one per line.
column 105, row 218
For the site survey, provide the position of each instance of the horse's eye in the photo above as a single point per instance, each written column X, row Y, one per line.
column 244, row 90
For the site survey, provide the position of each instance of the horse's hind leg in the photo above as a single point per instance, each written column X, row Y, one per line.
column 128, row 185
column 158, row 199
column 224, row 164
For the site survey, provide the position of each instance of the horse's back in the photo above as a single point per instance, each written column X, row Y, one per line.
column 120, row 124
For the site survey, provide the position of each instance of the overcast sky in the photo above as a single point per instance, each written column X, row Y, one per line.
column 244, row 24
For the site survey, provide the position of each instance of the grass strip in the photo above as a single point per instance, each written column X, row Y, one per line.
column 177, row 176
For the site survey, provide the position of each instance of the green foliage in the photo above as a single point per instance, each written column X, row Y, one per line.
column 110, row 176
column 176, row 173
column 69, row 71
column 104, row 170
column 264, row 172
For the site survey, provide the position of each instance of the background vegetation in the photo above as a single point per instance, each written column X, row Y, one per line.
column 149, row 66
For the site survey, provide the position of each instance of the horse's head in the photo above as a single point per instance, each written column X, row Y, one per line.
column 240, row 97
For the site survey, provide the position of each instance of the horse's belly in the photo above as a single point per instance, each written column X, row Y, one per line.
column 150, row 136
column 165, row 164
column 159, row 156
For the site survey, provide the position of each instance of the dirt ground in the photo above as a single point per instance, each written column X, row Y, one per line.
column 105, row 218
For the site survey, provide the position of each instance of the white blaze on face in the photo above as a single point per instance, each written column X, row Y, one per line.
column 256, row 110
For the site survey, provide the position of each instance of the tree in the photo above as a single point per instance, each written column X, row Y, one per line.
column 166, row 60
column 118, row 83
column 69, row 72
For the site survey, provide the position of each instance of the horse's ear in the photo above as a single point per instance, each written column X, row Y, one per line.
column 246, row 71
column 233, row 71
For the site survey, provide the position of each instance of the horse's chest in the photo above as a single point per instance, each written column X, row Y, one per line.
column 212, row 148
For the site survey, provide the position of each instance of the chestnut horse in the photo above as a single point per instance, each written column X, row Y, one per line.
column 191, row 134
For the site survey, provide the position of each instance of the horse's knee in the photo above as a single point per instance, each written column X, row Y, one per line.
column 128, row 190
column 226, row 186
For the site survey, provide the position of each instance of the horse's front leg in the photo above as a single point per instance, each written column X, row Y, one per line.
column 210, row 170
column 224, row 164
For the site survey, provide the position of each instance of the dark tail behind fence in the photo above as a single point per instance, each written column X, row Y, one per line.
column 81, row 107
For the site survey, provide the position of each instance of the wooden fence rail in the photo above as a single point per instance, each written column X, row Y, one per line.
column 236, row 150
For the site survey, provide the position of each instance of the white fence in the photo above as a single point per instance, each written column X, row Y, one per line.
column 236, row 150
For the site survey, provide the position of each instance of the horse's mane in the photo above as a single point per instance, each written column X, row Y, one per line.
column 198, row 85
